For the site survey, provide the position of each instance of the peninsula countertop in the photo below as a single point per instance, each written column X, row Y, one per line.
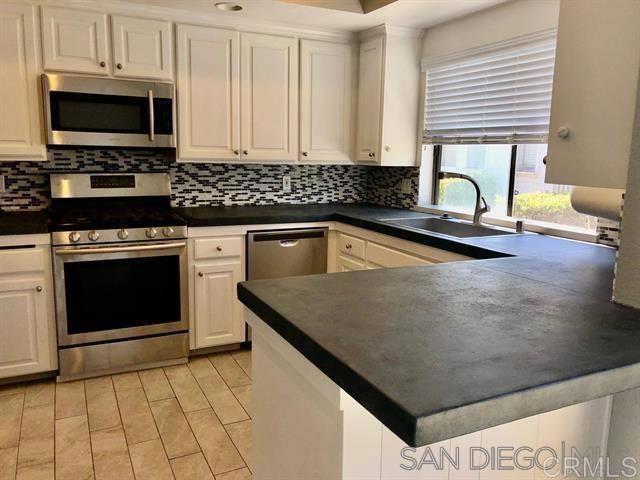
column 441, row 350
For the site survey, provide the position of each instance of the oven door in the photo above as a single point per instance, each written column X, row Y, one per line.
column 106, row 293
column 103, row 112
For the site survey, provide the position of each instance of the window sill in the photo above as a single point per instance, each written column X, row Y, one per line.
column 545, row 228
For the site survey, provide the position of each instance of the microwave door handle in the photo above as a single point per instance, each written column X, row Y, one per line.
column 151, row 116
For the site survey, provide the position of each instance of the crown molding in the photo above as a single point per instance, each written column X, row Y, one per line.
column 386, row 29
column 220, row 20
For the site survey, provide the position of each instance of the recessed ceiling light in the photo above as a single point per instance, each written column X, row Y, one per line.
column 229, row 6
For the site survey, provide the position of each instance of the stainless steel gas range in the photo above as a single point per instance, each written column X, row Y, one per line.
column 120, row 271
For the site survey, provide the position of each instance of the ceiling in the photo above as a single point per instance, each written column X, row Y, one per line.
column 338, row 14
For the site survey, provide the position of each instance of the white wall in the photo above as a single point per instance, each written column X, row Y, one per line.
column 505, row 21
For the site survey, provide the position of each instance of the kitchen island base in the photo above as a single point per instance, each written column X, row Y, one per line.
column 307, row 427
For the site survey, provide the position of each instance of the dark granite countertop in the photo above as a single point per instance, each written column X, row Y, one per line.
column 23, row 223
column 442, row 350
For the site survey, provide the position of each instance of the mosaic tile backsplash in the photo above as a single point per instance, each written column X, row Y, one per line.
column 194, row 184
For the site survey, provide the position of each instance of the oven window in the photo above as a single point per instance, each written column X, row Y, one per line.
column 110, row 294
column 83, row 112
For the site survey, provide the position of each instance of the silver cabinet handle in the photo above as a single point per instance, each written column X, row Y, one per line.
column 103, row 64
column 38, row 288
column 152, row 120
column 133, row 248
column 200, row 274
column 119, row 66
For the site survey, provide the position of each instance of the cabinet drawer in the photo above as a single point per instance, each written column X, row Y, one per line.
column 388, row 257
column 218, row 247
column 22, row 260
column 351, row 245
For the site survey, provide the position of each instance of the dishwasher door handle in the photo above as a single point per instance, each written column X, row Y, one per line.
column 289, row 243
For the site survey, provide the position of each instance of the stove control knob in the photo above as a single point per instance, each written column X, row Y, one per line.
column 168, row 231
column 94, row 236
column 151, row 233
column 74, row 237
column 123, row 234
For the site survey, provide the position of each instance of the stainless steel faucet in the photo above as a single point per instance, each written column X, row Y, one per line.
column 478, row 210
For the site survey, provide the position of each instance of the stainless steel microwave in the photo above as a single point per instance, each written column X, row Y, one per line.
column 85, row 111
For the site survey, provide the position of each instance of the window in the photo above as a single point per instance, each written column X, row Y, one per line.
column 511, row 178
column 487, row 115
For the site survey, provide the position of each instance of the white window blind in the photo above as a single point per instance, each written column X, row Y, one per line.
column 498, row 95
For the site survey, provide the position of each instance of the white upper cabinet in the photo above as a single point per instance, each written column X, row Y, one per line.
column 326, row 96
column 75, row 41
column 370, row 99
column 389, row 97
column 269, row 98
column 208, row 85
column 142, row 48
column 78, row 41
column 21, row 120
column 594, row 93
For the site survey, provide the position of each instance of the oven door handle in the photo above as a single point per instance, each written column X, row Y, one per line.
column 132, row 248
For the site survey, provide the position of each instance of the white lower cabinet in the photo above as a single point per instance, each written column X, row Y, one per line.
column 217, row 317
column 360, row 249
column 27, row 325
column 349, row 264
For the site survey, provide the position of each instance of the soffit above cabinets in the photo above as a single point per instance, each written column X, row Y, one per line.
column 341, row 15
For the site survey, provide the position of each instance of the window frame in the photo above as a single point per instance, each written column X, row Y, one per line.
column 536, row 226
column 437, row 164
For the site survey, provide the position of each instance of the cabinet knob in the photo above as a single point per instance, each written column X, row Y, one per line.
column 304, row 154
column 200, row 274
column 219, row 248
column 348, row 246
column 371, row 155
column 119, row 66
column 563, row 132
column 245, row 152
column 38, row 288
column 236, row 152
column 103, row 64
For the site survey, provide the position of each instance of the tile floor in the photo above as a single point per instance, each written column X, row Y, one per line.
column 189, row 421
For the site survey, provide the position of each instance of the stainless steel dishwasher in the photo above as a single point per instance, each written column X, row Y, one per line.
column 286, row 253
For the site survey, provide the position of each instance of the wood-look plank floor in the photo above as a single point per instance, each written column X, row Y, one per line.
column 186, row 422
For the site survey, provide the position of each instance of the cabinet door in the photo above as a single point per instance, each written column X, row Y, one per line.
column 74, row 41
column 269, row 75
column 142, row 47
column 24, row 323
column 370, row 100
column 219, row 316
column 381, row 256
column 208, row 82
column 326, row 92
column 20, row 122
column 346, row 264
column 594, row 89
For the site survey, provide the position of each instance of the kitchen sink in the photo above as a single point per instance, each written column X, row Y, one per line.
column 453, row 228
